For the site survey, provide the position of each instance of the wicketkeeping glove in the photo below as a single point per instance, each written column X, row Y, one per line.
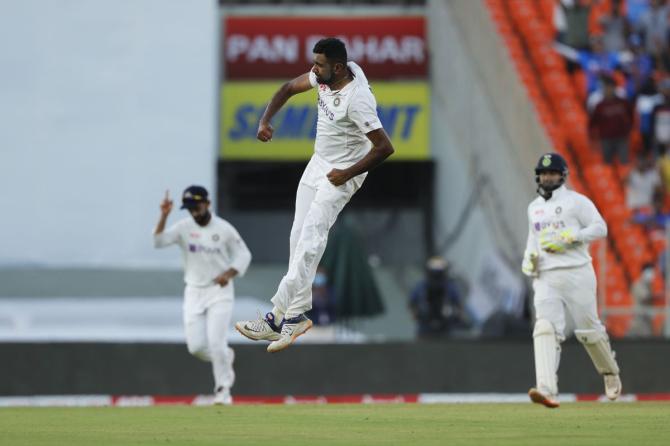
column 568, row 237
column 529, row 264
column 551, row 242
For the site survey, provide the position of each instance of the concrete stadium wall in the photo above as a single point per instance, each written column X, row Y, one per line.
column 463, row 366
column 483, row 126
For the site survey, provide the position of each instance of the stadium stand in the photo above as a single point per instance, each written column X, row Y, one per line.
column 559, row 94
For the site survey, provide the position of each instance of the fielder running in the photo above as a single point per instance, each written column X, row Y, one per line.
column 349, row 142
column 562, row 223
column 213, row 253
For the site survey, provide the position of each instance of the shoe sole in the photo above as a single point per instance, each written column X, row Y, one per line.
column 538, row 398
column 253, row 339
column 293, row 338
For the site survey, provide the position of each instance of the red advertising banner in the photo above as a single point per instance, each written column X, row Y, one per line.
column 281, row 47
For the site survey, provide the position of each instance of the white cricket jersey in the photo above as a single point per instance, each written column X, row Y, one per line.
column 345, row 117
column 207, row 251
column 565, row 210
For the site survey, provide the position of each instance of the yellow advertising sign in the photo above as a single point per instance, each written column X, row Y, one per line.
column 403, row 109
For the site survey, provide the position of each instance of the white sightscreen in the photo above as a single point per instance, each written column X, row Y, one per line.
column 103, row 105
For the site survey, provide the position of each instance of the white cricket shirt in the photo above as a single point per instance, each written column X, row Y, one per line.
column 207, row 251
column 345, row 117
column 566, row 209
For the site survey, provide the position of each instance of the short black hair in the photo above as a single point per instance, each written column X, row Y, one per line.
column 333, row 48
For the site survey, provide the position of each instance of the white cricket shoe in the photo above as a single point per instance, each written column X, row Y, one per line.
column 612, row 386
column 290, row 330
column 262, row 329
column 539, row 398
column 222, row 397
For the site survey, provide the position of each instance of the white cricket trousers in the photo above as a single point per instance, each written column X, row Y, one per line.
column 207, row 313
column 317, row 205
column 571, row 289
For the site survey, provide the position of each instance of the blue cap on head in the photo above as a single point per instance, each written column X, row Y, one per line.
column 192, row 196
column 551, row 162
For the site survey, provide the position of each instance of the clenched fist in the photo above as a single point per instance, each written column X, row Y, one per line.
column 265, row 132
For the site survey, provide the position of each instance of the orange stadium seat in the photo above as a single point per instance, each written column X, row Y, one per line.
column 622, row 171
column 546, row 9
column 559, row 97
column 658, row 324
column 617, row 325
column 658, row 245
column 617, row 295
column 579, row 83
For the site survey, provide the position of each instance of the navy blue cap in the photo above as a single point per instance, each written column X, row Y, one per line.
column 192, row 196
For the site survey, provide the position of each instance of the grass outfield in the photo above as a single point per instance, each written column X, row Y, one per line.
column 340, row 424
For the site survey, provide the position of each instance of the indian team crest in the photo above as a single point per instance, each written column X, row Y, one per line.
column 546, row 160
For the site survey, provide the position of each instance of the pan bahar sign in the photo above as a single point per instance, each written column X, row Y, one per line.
column 281, row 47
column 403, row 109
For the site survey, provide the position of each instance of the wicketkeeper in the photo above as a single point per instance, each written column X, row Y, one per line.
column 562, row 223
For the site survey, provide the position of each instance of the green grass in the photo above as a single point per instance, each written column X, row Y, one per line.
column 335, row 424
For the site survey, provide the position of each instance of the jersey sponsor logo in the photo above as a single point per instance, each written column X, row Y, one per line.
column 194, row 235
column 559, row 224
column 325, row 109
column 192, row 247
column 403, row 109
column 538, row 212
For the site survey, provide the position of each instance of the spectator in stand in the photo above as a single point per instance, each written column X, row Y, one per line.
column 657, row 220
column 595, row 62
column 653, row 26
column 643, row 299
column 615, row 28
column 664, row 169
column 610, row 124
column 636, row 9
column 647, row 98
column 643, row 182
column 597, row 96
column 571, row 18
column 660, row 118
column 637, row 65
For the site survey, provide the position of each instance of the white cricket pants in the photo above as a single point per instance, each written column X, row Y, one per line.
column 571, row 289
column 317, row 205
column 207, row 313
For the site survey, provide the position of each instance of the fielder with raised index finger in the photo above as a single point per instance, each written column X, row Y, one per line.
column 213, row 254
column 349, row 142
column 562, row 223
